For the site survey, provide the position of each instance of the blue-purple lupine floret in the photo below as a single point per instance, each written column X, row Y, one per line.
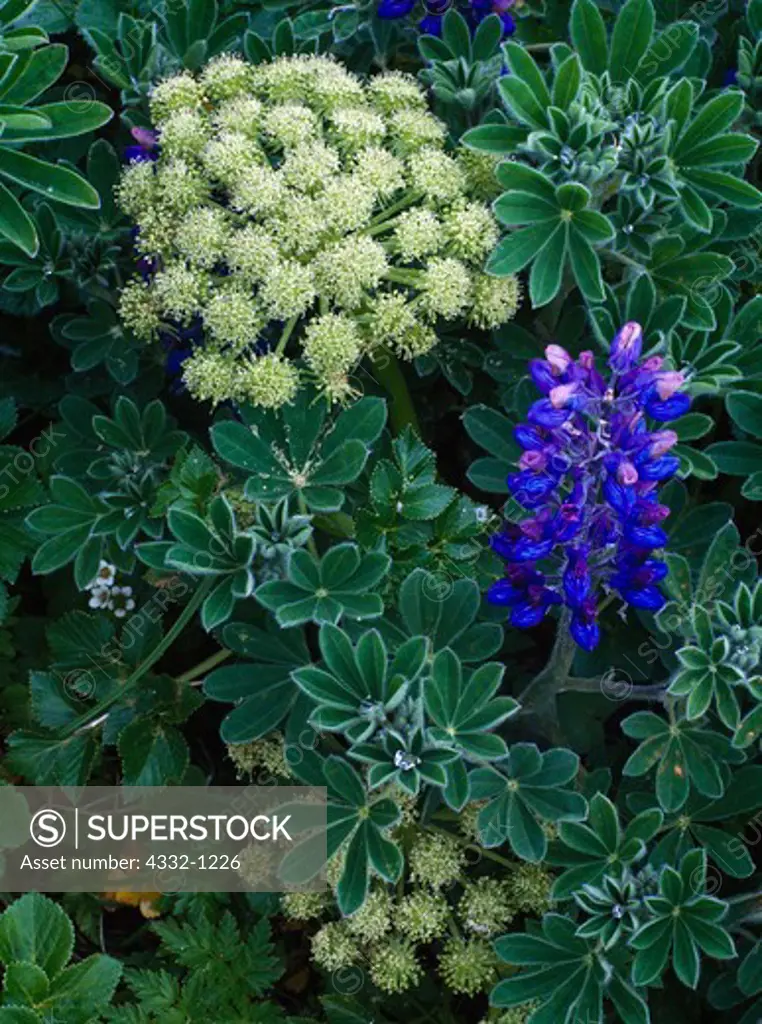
column 589, row 475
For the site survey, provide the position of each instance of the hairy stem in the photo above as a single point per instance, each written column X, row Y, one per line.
column 539, row 697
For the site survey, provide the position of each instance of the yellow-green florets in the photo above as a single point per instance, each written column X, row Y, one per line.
column 529, row 888
column 204, row 236
column 394, row 967
column 227, row 77
column 447, row 288
column 180, row 93
column 304, row 906
column 373, row 920
column 184, row 135
column 266, row 753
column 468, row 966
column 485, row 907
column 299, row 217
column 422, row 916
column 495, row 300
column 140, row 311
column 333, row 947
column 268, row 381
column 436, row 860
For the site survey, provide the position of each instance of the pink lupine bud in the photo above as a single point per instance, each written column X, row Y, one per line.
column 626, row 346
column 586, row 360
column 627, row 474
column 534, row 460
column 653, row 363
column 558, row 358
column 668, row 383
column 661, row 442
column 145, row 137
column 559, row 397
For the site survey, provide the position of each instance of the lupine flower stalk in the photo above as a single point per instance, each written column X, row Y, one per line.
column 594, row 455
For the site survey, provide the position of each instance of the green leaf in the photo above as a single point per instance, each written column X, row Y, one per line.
column 670, row 51
column 737, row 458
column 15, row 223
column 54, row 182
column 567, row 82
column 547, row 269
column 588, row 34
column 25, row 983
column 725, row 186
column 715, row 117
column 696, row 211
column 153, row 753
column 630, row 39
column 585, row 265
column 523, row 65
column 455, row 34
column 522, row 102
column 36, row 930
column 85, row 987
column 494, row 138
column 517, row 249
column 745, row 407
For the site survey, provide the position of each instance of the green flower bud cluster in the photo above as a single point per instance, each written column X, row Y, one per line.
column 302, row 217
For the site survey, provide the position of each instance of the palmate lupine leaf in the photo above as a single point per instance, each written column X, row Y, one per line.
column 359, row 824
column 567, row 975
column 684, row 922
column 341, row 583
column 522, row 790
column 303, row 452
column 600, row 845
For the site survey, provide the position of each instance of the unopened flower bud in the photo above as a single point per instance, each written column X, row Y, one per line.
column 626, row 347
column 560, row 396
column 558, row 358
column 661, row 442
column 627, row 474
column 668, row 383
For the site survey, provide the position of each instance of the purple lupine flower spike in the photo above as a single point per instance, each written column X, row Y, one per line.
column 589, row 474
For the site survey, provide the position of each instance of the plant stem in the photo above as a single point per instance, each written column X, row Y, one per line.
column 387, row 372
column 539, row 696
column 204, row 666
column 288, row 330
column 85, row 721
column 407, row 200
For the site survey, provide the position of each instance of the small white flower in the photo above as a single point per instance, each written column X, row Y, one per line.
column 99, row 597
column 121, row 601
column 104, row 577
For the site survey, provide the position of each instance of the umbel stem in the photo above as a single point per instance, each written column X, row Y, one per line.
column 387, row 371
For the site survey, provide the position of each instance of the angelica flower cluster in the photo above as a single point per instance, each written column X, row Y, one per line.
column 291, row 217
column 439, row 905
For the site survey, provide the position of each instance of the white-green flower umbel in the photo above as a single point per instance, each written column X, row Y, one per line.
column 304, row 217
